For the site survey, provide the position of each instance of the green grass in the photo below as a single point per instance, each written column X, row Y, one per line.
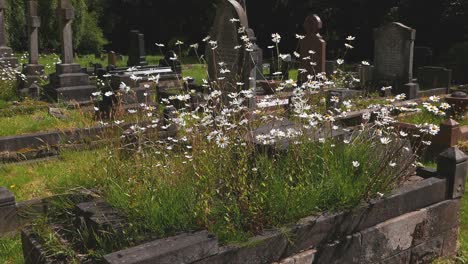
column 11, row 251
column 427, row 117
column 36, row 180
column 42, row 121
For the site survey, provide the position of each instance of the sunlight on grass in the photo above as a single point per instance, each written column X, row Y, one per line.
column 36, row 180
column 43, row 121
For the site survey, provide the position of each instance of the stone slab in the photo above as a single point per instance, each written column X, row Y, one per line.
column 265, row 248
column 312, row 231
column 347, row 250
column 185, row 248
column 410, row 230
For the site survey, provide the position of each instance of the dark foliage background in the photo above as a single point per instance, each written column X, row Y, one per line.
column 104, row 24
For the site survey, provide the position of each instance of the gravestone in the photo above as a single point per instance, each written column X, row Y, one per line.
column 422, row 57
column 33, row 71
column 366, row 75
column 137, row 53
column 314, row 42
column 330, row 67
column 68, row 83
column 393, row 57
column 170, row 60
column 7, row 58
column 112, row 58
column 237, row 62
column 434, row 77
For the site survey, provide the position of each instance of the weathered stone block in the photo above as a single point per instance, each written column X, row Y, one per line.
column 409, row 231
column 185, row 248
column 391, row 237
column 347, row 250
column 67, row 68
column 8, row 214
column 265, row 248
column 440, row 218
column 427, row 251
column 306, row 257
column 34, row 21
column 450, row 247
column 72, row 79
column 311, row 231
column 411, row 90
column 401, row 258
column 68, row 13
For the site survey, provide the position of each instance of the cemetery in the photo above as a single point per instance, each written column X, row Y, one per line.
column 232, row 148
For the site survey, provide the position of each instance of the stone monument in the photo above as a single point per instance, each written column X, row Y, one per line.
column 434, row 77
column 229, row 51
column 112, row 58
column 68, row 82
column 393, row 57
column 33, row 71
column 312, row 46
column 7, row 58
column 137, row 54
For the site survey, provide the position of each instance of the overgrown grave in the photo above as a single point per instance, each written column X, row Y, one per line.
column 426, row 205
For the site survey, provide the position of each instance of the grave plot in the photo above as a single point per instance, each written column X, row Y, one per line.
column 236, row 166
column 332, row 237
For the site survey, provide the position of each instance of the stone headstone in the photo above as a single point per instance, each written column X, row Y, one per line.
column 112, row 58
column 336, row 97
column 33, row 71
column 68, row 83
column 366, row 75
column 170, row 60
column 330, row 67
column 225, row 33
column 137, row 53
column 7, row 58
column 422, row 57
column 434, row 77
column 393, row 53
column 314, row 42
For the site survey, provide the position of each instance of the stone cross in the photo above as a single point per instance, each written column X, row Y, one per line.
column 3, row 35
column 34, row 22
column 313, row 42
column 66, row 15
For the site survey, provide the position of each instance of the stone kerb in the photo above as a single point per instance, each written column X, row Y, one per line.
column 418, row 221
column 43, row 144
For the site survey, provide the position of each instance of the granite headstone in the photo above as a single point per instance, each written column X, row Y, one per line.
column 137, row 53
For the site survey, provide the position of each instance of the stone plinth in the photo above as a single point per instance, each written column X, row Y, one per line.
column 33, row 73
column 70, row 84
column 7, row 58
